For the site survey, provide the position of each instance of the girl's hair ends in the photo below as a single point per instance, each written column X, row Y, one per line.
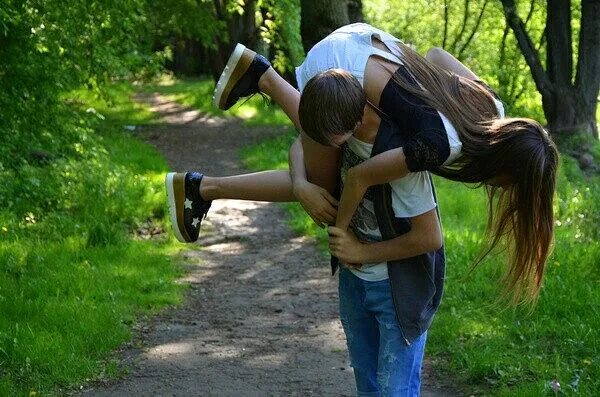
column 514, row 158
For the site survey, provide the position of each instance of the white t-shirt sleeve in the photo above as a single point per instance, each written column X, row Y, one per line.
column 412, row 195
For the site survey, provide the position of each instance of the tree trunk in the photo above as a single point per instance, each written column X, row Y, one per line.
column 562, row 110
column 321, row 17
column 188, row 57
column 587, row 80
column 569, row 108
column 355, row 11
column 241, row 29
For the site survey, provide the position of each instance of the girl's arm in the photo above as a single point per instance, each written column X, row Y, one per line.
column 424, row 236
column 383, row 168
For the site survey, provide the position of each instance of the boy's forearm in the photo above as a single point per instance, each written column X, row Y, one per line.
column 424, row 236
column 406, row 246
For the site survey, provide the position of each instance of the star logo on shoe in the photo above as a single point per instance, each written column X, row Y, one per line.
column 187, row 208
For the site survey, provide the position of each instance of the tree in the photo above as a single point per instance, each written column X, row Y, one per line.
column 569, row 93
column 48, row 49
column 462, row 38
column 202, row 33
column 321, row 17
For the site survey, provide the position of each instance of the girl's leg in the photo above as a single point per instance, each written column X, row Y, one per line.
column 247, row 73
column 259, row 186
column 190, row 195
column 282, row 93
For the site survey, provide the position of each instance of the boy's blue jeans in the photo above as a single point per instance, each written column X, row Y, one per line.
column 383, row 364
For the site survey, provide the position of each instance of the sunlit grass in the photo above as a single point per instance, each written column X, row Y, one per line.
column 116, row 103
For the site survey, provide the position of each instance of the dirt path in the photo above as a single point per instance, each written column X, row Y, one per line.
column 260, row 318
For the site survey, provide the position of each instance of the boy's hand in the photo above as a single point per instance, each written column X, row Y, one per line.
column 317, row 202
column 344, row 245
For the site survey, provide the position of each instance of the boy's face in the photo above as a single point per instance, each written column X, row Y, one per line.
column 338, row 140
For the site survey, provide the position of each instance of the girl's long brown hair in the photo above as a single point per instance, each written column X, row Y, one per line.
column 516, row 153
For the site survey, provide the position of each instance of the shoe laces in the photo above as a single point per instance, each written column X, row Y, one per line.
column 265, row 99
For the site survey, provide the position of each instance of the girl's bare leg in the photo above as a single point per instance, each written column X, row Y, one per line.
column 321, row 162
column 272, row 186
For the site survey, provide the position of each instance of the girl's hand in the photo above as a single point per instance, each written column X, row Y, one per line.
column 317, row 202
column 344, row 245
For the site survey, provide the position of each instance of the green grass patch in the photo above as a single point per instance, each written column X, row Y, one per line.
column 73, row 279
column 491, row 349
column 113, row 105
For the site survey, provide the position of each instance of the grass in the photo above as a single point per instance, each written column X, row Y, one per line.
column 198, row 93
column 488, row 348
column 73, row 277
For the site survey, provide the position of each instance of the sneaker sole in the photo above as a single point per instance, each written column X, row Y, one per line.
column 170, row 182
column 237, row 65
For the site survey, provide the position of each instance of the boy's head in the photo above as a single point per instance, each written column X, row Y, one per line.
column 331, row 105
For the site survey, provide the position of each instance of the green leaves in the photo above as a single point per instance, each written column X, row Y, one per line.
column 48, row 48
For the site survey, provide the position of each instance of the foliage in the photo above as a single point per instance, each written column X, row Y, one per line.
column 48, row 48
column 180, row 24
column 280, row 29
column 72, row 279
column 186, row 19
column 74, row 188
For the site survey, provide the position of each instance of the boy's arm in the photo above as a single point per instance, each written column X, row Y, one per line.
column 383, row 168
column 424, row 236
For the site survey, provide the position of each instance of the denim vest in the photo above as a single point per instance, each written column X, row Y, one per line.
column 418, row 282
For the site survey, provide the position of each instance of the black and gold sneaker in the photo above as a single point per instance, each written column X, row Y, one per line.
column 186, row 207
column 240, row 77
